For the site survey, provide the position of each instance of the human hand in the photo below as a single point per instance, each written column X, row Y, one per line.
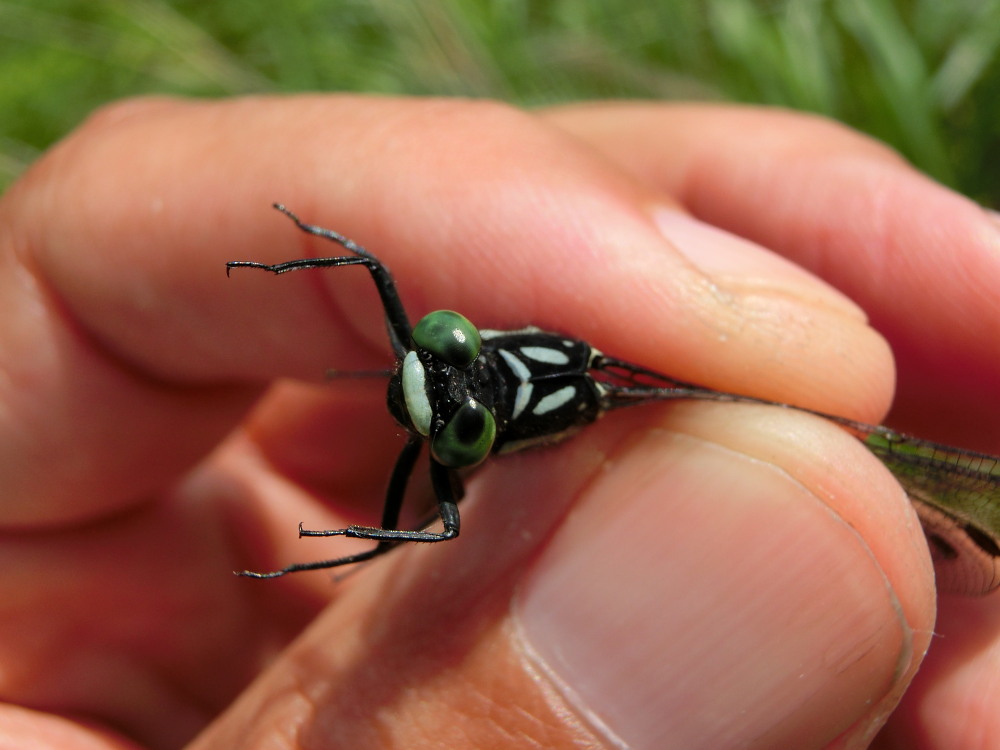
column 691, row 574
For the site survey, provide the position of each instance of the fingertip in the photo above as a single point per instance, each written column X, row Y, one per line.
column 919, row 258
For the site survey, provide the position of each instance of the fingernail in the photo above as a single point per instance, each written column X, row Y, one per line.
column 697, row 598
column 734, row 262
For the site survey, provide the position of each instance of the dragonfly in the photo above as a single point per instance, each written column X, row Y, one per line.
column 471, row 394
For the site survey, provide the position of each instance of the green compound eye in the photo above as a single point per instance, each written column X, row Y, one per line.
column 450, row 336
column 467, row 438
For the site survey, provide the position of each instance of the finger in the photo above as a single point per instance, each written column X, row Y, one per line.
column 20, row 727
column 952, row 701
column 920, row 259
column 728, row 576
column 116, row 252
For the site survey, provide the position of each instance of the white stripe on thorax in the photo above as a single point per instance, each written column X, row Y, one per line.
column 524, row 387
column 554, row 400
column 545, row 354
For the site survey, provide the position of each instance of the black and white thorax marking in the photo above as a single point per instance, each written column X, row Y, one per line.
column 543, row 388
column 537, row 386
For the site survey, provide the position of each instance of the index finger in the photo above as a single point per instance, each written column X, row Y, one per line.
column 920, row 259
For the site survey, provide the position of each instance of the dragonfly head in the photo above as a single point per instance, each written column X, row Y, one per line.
column 439, row 393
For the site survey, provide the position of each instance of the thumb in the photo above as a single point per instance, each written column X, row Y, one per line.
column 727, row 576
column 746, row 594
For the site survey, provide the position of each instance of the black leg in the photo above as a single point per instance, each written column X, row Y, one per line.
column 447, row 485
column 390, row 519
column 395, row 313
column 318, row 565
column 444, row 481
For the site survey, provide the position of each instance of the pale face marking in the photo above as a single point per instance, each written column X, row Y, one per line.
column 418, row 406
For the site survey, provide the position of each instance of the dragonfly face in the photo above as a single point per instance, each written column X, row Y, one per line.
column 441, row 390
column 470, row 393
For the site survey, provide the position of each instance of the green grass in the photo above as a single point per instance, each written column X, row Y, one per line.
column 923, row 75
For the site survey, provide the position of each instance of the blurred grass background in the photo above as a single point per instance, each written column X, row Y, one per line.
column 922, row 75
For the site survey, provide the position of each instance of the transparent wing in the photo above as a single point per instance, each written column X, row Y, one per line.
column 956, row 494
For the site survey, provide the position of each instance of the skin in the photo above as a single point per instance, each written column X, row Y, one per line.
column 741, row 562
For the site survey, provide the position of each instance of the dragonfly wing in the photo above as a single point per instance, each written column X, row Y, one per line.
column 966, row 561
column 956, row 494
